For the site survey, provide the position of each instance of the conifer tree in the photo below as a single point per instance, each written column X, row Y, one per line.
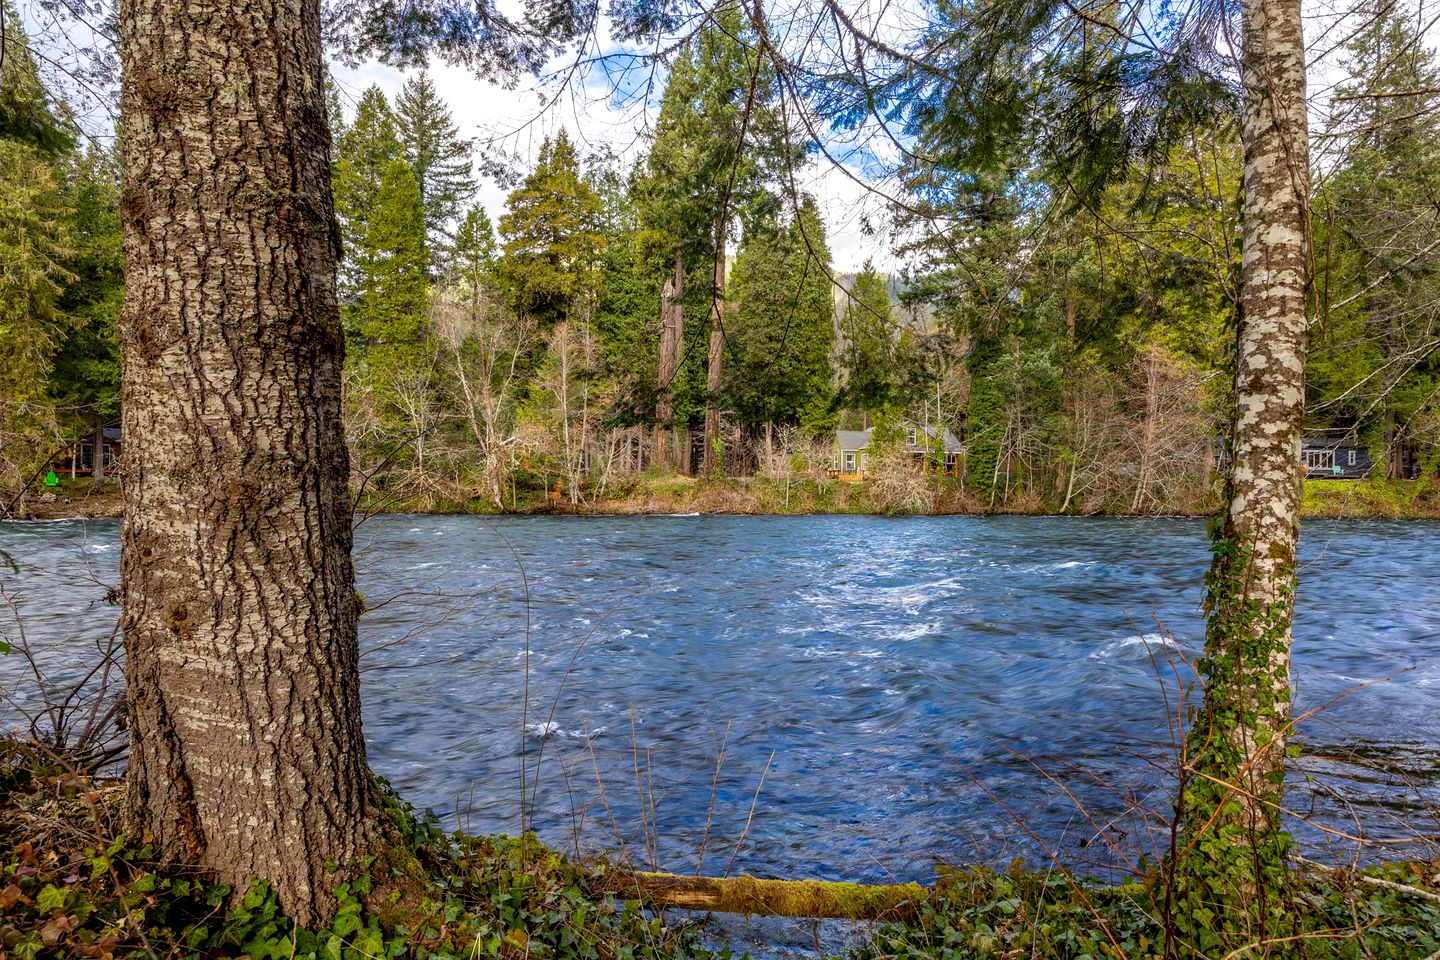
column 85, row 381
column 625, row 312
column 391, row 294
column 550, row 232
column 385, row 277
column 32, row 278
column 720, row 141
column 29, row 114
column 475, row 256
column 867, row 345
column 783, row 327
column 363, row 154
column 1374, row 366
column 34, row 254
column 440, row 158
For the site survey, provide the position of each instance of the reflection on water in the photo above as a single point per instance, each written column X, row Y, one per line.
column 890, row 679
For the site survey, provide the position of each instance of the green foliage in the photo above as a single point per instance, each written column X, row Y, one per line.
column 29, row 114
column 89, row 892
column 627, row 310
column 85, row 379
column 391, row 295
column 440, row 158
column 983, row 914
column 867, row 331
column 1375, row 496
column 782, row 329
column 1373, row 367
column 34, row 254
column 551, row 233
column 475, row 256
column 984, row 417
column 364, row 151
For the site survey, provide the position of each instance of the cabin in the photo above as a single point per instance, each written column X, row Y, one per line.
column 79, row 460
column 1333, row 455
column 852, row 450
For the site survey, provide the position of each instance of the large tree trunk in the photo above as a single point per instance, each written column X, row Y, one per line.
column 1234, row 848
column 97, row 451
column 672, row 334
column 716, row 359
column 246, row 757
column 1394, row 449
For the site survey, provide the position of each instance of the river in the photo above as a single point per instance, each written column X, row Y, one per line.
column 912, row 690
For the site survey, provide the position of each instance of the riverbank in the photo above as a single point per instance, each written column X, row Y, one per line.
column 71, row 885
column 649, row 495
column 669, row 494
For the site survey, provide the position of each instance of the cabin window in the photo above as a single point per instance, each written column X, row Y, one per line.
column 1319, row 459
column 911, row 436
column 864, row 458
column 1350, row 457
column 849, row 461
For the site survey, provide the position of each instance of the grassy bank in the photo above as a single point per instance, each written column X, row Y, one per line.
column 1372, row 498
column 659, row 492
column 665, row 493
column 656, row 493
column 71, row 885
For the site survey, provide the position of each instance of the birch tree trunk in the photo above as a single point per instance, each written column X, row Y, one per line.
column 1234, row 848
column 239, row 610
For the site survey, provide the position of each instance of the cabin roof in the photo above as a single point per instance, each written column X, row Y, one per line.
column 1331, row 438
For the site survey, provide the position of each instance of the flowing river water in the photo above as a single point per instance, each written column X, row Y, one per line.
column 912, row 691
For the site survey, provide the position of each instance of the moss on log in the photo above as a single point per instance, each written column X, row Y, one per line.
column 774, row 898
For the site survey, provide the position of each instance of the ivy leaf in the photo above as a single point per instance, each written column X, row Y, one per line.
column 50, row 899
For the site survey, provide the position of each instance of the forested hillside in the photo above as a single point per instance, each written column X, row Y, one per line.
column 678, row 312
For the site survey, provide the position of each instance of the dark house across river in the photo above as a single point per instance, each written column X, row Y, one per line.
column 1333, row 454
column 80, row 458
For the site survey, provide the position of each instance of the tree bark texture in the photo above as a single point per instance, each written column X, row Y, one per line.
column 239, row 616
column 1237, row 749
column 672, row 330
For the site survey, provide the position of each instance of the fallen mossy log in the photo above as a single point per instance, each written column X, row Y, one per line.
column 767, row 898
